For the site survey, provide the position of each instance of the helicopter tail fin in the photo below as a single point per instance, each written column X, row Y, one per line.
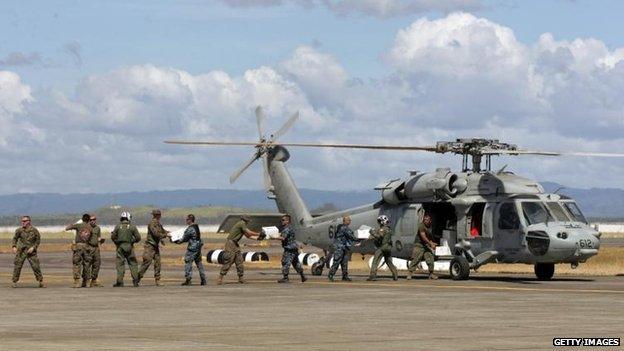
column 287, row 196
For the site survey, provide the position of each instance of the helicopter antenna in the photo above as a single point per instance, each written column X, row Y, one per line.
column 559, row 189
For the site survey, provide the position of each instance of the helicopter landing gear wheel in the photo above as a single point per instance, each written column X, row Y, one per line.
column 459, row 268
column 317, row 268
column 544, row 271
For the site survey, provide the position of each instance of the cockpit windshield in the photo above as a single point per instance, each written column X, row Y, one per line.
column 535, row 212
column 557, row 211
column 575, row 211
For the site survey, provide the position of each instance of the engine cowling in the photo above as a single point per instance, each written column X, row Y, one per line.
column 440, row 184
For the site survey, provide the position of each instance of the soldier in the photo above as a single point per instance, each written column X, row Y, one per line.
column 82, row 252
column 343, row 241
column 125, row 235
column 232, row 249
column 424, row 246
column 382, row 238
column 193, row 251
column 25, row 243
column 95, row 242
column 291, row 251
column 151, row 251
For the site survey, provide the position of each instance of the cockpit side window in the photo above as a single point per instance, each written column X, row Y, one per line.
column 535, row 212
column 557, row 211
column 508, row 216
column 575, row 211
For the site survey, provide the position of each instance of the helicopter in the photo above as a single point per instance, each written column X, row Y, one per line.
column 478, row 215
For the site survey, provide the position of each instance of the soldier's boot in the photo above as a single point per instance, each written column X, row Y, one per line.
column 186, row 282
column 156, row 281
column 284, row 280
column 395, row 277
column 220, row 279
column 330, row 278
column 135, row 283
column 372, row 278
column 241, row 280
column 139, row 277
column 77, row 283
column 84, row 283
column 303, row 277
column 42, row 284
column 14, row 285
column 95, row 284
column 118, row 285
column 203, row 281
column 432, row 276
column 409, row 276
column 345, row 278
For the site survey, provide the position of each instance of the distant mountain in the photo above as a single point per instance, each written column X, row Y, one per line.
column 595, row 202
column 50, row 203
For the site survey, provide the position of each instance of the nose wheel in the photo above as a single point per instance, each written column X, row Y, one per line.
column 544, row 271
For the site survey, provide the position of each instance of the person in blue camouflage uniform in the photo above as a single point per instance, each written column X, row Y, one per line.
column 193, row 251
column 291, row 251
column 343, row 240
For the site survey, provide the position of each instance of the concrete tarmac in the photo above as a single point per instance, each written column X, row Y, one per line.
column 488, row 312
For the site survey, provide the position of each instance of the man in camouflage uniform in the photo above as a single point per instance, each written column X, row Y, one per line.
column 125, row 235
column 232, row 249
column 291, row 251
column 382, row 238
column 151, row 251
column 343, row 240
column 424, row 246
column 25, row 243
column 82, row 252
column 95, row 242
column 193, row 251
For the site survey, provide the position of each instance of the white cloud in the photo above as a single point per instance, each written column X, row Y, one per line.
column 458, row 76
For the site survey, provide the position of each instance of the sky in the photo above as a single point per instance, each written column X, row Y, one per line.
column 90, row 89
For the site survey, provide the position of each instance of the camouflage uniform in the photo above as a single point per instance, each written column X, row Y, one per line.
column 291, row 253
column 193, row 253
column 82, row 252
column 151, row 251
column 383, row 242
column 421, row 249
column 125, row 235
column 96, row 262
column 232, row 250
column 342, row 243
column 23, row 240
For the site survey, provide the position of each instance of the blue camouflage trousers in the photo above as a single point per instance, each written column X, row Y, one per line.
column 291, row 257
column 189, row 258
column 341, row 258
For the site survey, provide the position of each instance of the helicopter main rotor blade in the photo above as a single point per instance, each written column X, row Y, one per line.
column 228, row 143
column 260, row 118
column 336, row 146
column 363, row 146
column 551, row 153
column 286, row 126
column 244, row 167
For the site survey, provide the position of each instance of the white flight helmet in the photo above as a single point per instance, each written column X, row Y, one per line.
column 383, row 220
column 126, row 214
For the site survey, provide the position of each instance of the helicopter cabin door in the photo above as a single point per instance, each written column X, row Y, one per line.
column 507, row 227
column 405, row 230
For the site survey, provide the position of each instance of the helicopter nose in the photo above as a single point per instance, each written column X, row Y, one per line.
column 563, row 245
